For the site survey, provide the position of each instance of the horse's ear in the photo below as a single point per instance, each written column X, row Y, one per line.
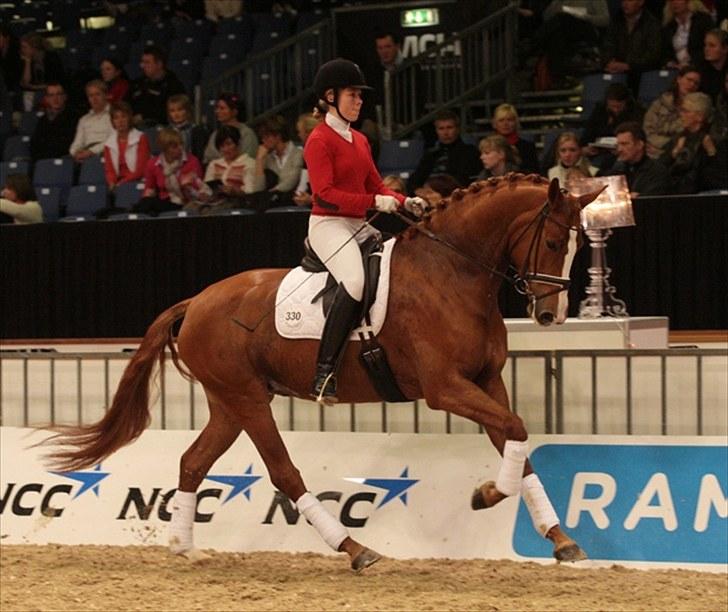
column 588, row 198
column 554, row 191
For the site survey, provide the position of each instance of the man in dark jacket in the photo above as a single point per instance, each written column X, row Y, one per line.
column 449, row 156
column 55, row 130
column 645, row 176
column 148, row 94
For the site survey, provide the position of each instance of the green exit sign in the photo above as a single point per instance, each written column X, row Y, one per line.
column 419, row 18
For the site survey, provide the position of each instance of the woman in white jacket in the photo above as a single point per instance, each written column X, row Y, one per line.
column 126, row 151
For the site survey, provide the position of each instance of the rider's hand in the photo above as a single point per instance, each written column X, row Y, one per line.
column 385, row 203
column 416, row 205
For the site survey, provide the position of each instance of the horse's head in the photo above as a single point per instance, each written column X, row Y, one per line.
column 542, row 246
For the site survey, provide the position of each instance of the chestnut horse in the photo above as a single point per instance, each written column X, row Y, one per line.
column 444, row 336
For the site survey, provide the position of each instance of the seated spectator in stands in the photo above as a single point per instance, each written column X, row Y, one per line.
column 568, row 157
column 619, row 107
column 684, row 25
column 715, row 62
column 720, row 117
column 18, row 202
column 437, row 187
column 632, row 43
column 148, row 94
column 179, row 112
column 395, row 183
column 11, row 65
column 94, row 128
column 304, row 126
column 694, row 160
column 505, row 123
column 112, row 73
column 278, row 161
column 173, row 179
column 226, row 113
column 126, row 151
column 231, row 176
column 645, row 176
column 223, row 9
column 662, row 119
column 41, row 67
column 449, row 156
column 55, row 130
column 499, row 157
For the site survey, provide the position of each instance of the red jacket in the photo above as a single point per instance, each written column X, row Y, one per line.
column 154, row 175
column 344, row 179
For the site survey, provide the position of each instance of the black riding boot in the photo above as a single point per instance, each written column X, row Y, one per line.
column 342, row 318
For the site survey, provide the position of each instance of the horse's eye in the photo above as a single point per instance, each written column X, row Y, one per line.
column 552, row 245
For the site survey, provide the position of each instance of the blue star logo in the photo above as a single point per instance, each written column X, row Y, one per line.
column 395, row 487
column 88, row 480
column 240, row 484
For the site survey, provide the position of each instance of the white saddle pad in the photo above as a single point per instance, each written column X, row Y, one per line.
column 298, row 318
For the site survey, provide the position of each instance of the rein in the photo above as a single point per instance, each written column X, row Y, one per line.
column 519, row 280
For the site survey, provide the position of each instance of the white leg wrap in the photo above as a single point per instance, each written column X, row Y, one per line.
column 331, row 530
column 511, row 470
column 539, row 505
column 183, row 508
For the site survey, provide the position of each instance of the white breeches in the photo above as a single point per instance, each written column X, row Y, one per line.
column 327, row 235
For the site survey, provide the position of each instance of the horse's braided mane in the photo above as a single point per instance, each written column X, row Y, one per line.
column 490, row 185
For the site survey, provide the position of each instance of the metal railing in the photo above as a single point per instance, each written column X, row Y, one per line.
column 468, row 64
column 566, row 391
column 272, row 81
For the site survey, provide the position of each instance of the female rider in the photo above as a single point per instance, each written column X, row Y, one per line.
column 345, row 183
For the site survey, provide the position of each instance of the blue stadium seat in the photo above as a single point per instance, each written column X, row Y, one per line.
column 28, row 121
column 653, row 83
column 13, row 167
column 85, row 200
column 213, row 66
column 157, row 33
column 177, row 214
column 6, row 118
column 92, row 171
column 17, row 148
column 242, row 25
column 200, row 29
column 129, row 216
column 400, row 156
column 128, row 194
column 56, row 172
column 594, row 87
column 285, row 210
column 231, row 44
column 49, row 199
column 231, row 212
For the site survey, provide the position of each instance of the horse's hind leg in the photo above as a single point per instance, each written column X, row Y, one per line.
column 264, row 433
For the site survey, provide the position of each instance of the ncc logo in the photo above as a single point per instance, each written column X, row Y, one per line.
column 634, row 502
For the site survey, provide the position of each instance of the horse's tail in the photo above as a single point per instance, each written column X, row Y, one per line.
column 85, row 445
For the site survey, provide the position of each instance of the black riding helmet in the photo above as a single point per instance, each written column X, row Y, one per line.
column 338, row 74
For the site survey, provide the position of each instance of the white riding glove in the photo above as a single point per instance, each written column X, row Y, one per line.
column 385, row 203
column 416, row 205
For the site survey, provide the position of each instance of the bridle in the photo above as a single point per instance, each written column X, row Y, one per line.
column 519, row 279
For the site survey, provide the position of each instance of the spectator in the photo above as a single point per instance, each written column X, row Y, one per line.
column 505, row 123
column 173, row 179
column 179, row 112
column 232, row 175
column 55, row 130
column 438, row 187
column 216, row 10
column 18, row 202
column 695, row 161
column 684, row 25
column 498, row 156
column 148, row 94
column 226, row 113
column 715, row 62
column 278, row 161
column 304, row 126
column 395, row 183
column 720, row 118
column 569, row 157
column 662, row 119
column 114, row 76
column 449, row 156
column 41, row 67
column 618, row 107
column 10, row 63
column 632, row 43
column 644, row 176
column 94, row 128
column 126, row 151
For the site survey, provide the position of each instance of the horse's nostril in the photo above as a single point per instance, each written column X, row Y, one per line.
column 546, row 318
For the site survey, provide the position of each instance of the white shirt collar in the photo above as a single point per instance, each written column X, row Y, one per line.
column 341, row 127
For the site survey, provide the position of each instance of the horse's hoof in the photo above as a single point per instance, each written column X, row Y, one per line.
column 486, row 496
column 194, row 555
column 364, row 559
column 569, row 552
